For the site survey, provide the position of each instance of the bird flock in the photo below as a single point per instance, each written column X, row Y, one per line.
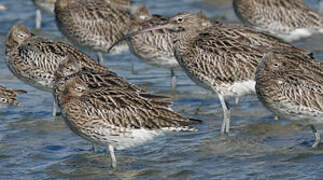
column 229, row 60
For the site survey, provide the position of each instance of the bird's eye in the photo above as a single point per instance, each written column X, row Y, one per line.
column 79, row 89
column 276, row 65
column 180, row 19
column 3, row 100
column 22, row 35
column 69, row 68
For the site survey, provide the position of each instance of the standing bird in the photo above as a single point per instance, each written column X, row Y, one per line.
column 94, row 76
column 34, row 59
column 45, row 5
column 117, row 118
column 287, row 19
column 291, row 87
column 8, row 96
column 93, row 24
column 155, row 47
column 220, row 57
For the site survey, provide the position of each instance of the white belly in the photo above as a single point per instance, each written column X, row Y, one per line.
column 237, row 89
column 123, row 138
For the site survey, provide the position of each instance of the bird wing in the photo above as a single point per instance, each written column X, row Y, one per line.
column 129, row 109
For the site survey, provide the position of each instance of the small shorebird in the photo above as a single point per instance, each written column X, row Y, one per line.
column 155, row 47
column 117, row 118
column 291, row 87
column 34, row 59
column 93, row 24
column 8, row 96
column 45, row 5
column 287, row 19
column 220, row 57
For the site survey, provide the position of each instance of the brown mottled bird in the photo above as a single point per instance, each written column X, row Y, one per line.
column 8, row 96
column 34, row 59
column 117, row 118
column 93, row 24
column 291, row 86
column 155, row 47
column 220, row 57
column 287, row 19
column 94, row 75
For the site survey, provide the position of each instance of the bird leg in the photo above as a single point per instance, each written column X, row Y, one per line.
column 225, row 128
column 113, row 157
column 172, row 73
column 317, row 136
column 38, row 19
column 54, row 109
column 236, row 100
column 100, row 58
column 94, row 148
column 133, row 71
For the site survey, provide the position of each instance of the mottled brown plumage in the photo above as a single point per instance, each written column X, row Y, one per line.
column 114, row 117
column 291, row 86
column 220, row 57
column 93, row 75
column 288, row 19
column 155, row 47
column 34, row 59
column 8, row 96
column 92, row 24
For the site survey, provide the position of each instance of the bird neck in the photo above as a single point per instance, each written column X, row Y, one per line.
column 183, row 40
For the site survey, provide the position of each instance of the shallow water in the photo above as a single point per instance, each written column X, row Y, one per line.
column 35, row 146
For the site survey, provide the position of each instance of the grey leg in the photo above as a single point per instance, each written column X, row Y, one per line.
column 276, row 118
column 317, row 137
column 54, row 109
column 226, row 115
column 100, row 58
column 94, row 148
column 172, row 73
column 38, row 19
column 133, row 71
column 113, row 157
column 236, row 100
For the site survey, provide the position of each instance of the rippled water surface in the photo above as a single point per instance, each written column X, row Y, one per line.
column 33, row 145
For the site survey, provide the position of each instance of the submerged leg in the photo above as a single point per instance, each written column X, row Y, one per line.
column 133, row 71
column 226, row 115
column 100, row 58
column 276, row 118
column 113, row 157
column 54, row 109
column 236, row 100
column 172, row 73
column 38, row 19
column 94, row 148
column 317, row 136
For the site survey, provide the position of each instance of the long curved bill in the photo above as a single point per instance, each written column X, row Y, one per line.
column 127, row 36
